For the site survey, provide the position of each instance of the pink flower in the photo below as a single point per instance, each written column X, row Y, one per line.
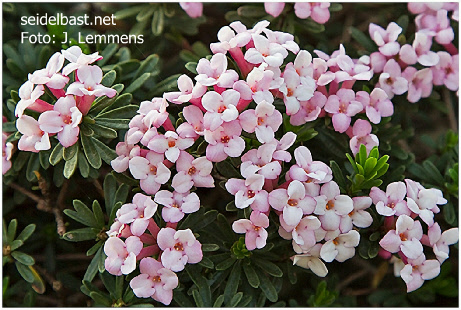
column 7, row 152
column 406, row 237
column 419, row 83
column 214, row 72
column 154, row 281
column 304, row 234
column 446, row 72
column 293, row 202
column 194, row 117
column 317, row 11
column 340, row 248
column 30, row 99
column 171, row 144
column 386, row 39
column 63, row 120
column 440, row 241
column 264, row 121
column 424, row 201
column 419, row 52
column 255, row 234
column 310, row 260
column 260, row 161
column 77, row 59
column 187, row 91
column 376, row 104
column 392, row 202
column 361, row 218
column 332, row 206
column 150, row 170
column 417, row 270
column 274, row 8
column 179, row 248
column 153, row 112
column 362, row 135
column 89, row 79
column 296, row 88
column 193, row 9
column 177, row 204
column 343, row 106
column 220, row 108
column 33, row 138
column 307, row 170
column 257, row 86
column 265, row 51
column 50, row 75
column 121, row 256
column 137, row 213
column 391, row 80
column 192, row 172
column 281, row 146
column 224, row 141
column 309, row 110
column 249, row 192
column 125, row 152
column 436, row 25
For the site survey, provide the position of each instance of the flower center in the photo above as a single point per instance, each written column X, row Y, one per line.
column 251, row 193
column 178, row 247
column 292, row 202
column 289, row 92
column 391, row 205
column 260, row 121
column 156, row 279
column 389, row 81
column 448, row 70
column 222, row 109
column 67, row 119
column 171, row 143
column 342, row 108
column 225, row 139
column 153, row 169
column 192, row 170
column 175, row 205
column 335, row 241
column 330, row 205
column 90, row 88
column 257, row 228
column 403, row 237
column 351, row 213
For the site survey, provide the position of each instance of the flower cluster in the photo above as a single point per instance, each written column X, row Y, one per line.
column 393, row 62
column 405, row 207
column 72, row 94
column 318, row 11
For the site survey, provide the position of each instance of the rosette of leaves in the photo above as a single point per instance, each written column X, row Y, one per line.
column 160, row 18
column 24, row 262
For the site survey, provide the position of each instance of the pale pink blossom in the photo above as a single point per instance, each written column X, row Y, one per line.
column 406, row 237
column 446, row 72
column 436, row 25
column 376, row 104
column 29, row 99
column 332, row 206
column 392, row 201
column 274, row 8
column 121, row 256
column 170, row 144
column 340, row 248
column 89, row 79
column 282, row 146
column 249, row 192
column 77, row 59
column 265, row 120
column 307, row 170
column 317, row 11
column 343, row 106
column 286, row 40
column 310, row 259
column 179, row 248
column 417, row 270
column 220, row 108
column 265, row 51
column 154, row 281
column 63, row 120
column 362, row 135
column 187, row 91
column 419, row 51
column 193, row 9
column 224, row 141
column 192, row 172
column 309, row 110
column 423, row 202
column 137, row 213
column 176, row 204
column 260, row 161
column 304, row 234
column 293, row 202
column 33, row 138
column 440, row 241
column 296, row 88
column 153, row 112
column 214, row 72
column 386, row 39
column 257, row 85
column 49, row 75
column 150, row 170
column 7, row 152
column 125, row 152
column 255, row 234
column 194, row 116
column 391, row 80
column 419, row 83
column 361, row 218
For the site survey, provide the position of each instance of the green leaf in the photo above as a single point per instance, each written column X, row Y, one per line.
column 93, row 267
column 23, row 258
column 80, row 234
column 12, row 230
column 138, row 83
column 9, row 127
column 26, row 232
column 226, row 263
column 107, row 154
column 107, row 53
column 251, row 275
column 103, row 131
column 109, row 78
column 363, row 39
column 147, row 66
column 127, row 111
column 32, row 166
column 100, row 299
column 449, row 214
column 110, row 187
column 206, row 262
column 99, row 216
column 433, row 172
column 370, row 164
column 338, row 175
column 268, row 267
column 83, row 165
column 191, row 66
column 198, row 298
column 181, row 299
column 91, row 153
column 115, row 123
column 235, row 300
column 25, row 272
column 16, row 244
column 70, row 166
column 202, row 284
column 94, row 248
column 130, row 11
column 81, row 214
column 268, row 288
column 158, row 22
column 44, row 158
column 219, row 301
column 226, row 228
column 232, row 283
column 209, row 247
column 145, row 14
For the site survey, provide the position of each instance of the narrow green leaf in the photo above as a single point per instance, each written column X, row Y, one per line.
column 70, row 166
column 103, row 131
column 206, row 262
column 16, row 244
column 130, row 11
column 145, row 14
column 94, row 248
column 32, row 166
column 235, row 300
column 12, row 230
column 191, row 66
column 137, row 83
column 202, row 284
column 109, row 78
column 127, row 111
column 91, row 153
column 158, row 22
column 99, row 216
column 370, row 163
column 100, row 299
column 113, row 123
column 232, row 283
column 147, row 66
column 23, row 258
column 93, row 267
column 121, row 101
column 338, row 175
column 226, row 263
column 268, row 288
column 26, row 232
column 268, row 267
column 25, row 272
column 44, row 158
column 83, row 165
column 80, row 234
column 198, row 298
column 110, row 187
column 433, row 172
column 363, row 155
column 363, row 39
column 251, row 275
column 219, row 301
column 209, row 247
column 81, row 214
column 107, row 154
column 107, row 53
